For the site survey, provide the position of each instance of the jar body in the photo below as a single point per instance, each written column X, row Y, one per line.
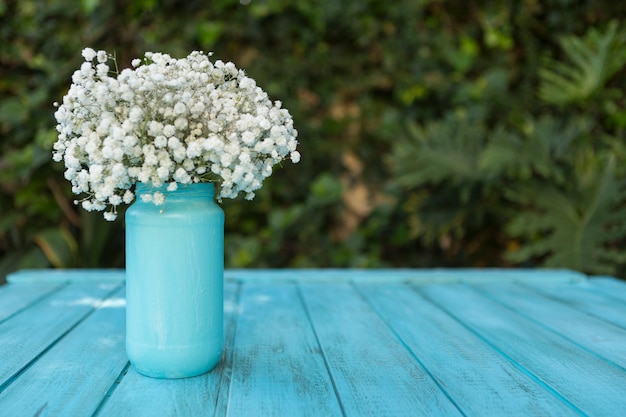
column 175, row 282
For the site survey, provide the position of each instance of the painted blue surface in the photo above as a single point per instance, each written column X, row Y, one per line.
column 66, row 276
column 175, row 282
column 325, row 343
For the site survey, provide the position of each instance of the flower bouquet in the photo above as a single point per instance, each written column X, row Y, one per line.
column 166, row 131
column 167, row 122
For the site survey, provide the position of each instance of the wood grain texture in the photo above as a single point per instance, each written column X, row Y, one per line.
column 399, row 275
column 59, row 276
column 588, row 298
column 278, row 367
column 589, row 383
column 28, row 334
column 478, row 379
column 86, row 361
column 610, row 287
column 564, row 317
column 15, row 298
column 373, row 372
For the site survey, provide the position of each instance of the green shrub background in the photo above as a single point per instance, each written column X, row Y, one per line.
column 433, row 133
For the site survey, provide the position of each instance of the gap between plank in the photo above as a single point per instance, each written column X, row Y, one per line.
column 223, row 387
column 112, row 388
column 319, row 346
column 407, row 347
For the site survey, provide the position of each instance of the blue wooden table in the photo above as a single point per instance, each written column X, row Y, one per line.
column 330, row 343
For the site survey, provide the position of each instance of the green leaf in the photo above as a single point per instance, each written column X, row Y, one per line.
column 544, row 143
column 576, row 228
column 13, row 112
column 593, row 60
column 438, row 152
column 326, row 189
column 209, row 33
column 58, row 245
column 89, row 6
column 94, row 237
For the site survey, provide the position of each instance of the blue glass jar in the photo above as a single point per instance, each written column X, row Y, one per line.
column 175, row 282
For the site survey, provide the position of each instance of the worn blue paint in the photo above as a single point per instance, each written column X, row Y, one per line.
column 583, row 379
column 175, row 281
column 372, row 370
column 94, row 346
column 15, row 298
column 278, row 366
column 417, row 276
column 29, row 334
column 476, row 377
column 323, row 343
column 333, row 276
column 565, row 319
column 66, row 276
column 590, row 298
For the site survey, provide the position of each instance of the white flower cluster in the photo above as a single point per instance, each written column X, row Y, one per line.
column 166, row 122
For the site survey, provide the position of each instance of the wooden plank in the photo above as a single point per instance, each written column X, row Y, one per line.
column 25, row 336
column 372, row 371
column 476, row 378
column 278, row 368
column 397, row 276
column 70, row 379
column 586, row 297
column 611, row 287
column 594, row 334
column 591, row 384
column 15, row 298
column 57, row 276
column 137, row 395
column 425, row 276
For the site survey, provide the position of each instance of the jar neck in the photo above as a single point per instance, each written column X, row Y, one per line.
column 204, row 190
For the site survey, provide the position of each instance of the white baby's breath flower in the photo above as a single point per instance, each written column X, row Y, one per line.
column 128, row 197
column 169, row 131
column 160, row 141
column 110, row 216
column 89, row 54
column 180, row 108
column 102, row 70
column 182, row 176
column 158, row 198
column 135, row 114
column 180, row 123
column 115, row 200
column 102, row 56
column 194, row 150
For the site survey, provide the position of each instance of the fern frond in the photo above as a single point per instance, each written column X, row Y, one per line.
column 575, row 228
column 544, row 142
column 441, row 151
column 593, row 60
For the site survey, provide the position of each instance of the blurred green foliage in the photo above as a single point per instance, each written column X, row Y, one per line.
column 433, row 132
